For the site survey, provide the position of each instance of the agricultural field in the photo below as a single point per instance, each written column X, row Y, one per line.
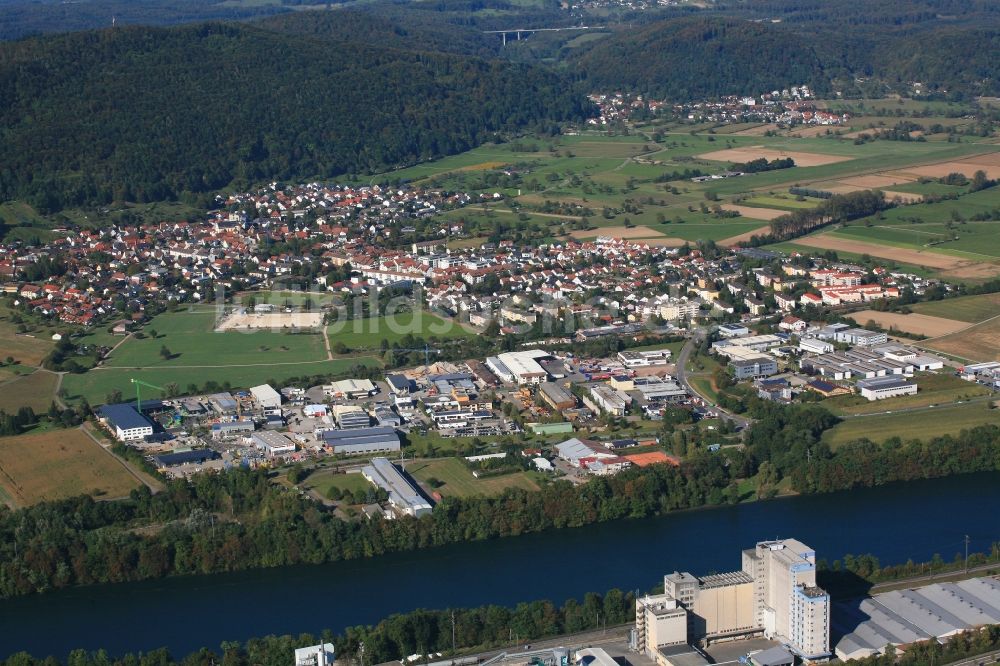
column 59, row 464
column 919, row 424
column 36, row 390
column 368, row 334
column 26, row 349
column 918, row 324
column 933, row 389
column 980, row 342
column 190, row 337
column 457, row 479
column 972, row 309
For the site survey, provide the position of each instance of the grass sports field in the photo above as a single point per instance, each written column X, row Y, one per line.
column 36, row 390
column 369, row 333
column 58, row 464
column 970, row 309
column 96, row 384
column 190, row 338
column 921, row 425
column 459, row 482
column 322, row 480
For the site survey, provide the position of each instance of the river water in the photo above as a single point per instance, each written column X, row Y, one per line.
column 908, row 520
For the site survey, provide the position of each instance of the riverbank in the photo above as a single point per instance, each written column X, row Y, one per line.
column 188, row 612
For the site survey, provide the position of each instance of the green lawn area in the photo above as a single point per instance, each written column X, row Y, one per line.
column 921, row 425
column 369, row 333
column 322, row 480
column 933, row 389
column 972, row 309
column 36, row 390
column 96, row 384
column 27, row 349
column 458, row 480
column 789, row 202
column 190, row 337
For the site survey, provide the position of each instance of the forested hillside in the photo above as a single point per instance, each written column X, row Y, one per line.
column 151, row 113
column 691, row 58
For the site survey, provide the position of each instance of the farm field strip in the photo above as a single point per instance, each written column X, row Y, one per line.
column 970, row 309
column 918, row 324
column 62, row 463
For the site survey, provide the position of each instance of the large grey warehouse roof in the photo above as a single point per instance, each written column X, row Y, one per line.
column 401, row 493
column 904, row 616
column 348, row 436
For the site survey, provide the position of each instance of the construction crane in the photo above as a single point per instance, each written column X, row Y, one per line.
column 138, row 399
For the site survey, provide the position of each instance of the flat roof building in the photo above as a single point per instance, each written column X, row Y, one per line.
column 774, row 594
column 272, row 443
column 558, row 397
column 403, row 495
column 521, row 367
column 361, row 441
column 881, row 388
column 127, row 424
column 266, row 396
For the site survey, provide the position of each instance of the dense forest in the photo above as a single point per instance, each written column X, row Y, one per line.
column 145, row 114
column 698, row 57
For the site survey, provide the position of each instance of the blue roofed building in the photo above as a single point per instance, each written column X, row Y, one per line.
column 127, row 424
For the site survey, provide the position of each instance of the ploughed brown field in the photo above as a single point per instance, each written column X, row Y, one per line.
column 915, row 323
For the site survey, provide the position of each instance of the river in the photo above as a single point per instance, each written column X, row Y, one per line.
column 896, row 522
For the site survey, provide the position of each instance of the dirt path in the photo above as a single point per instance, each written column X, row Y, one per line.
column 745, row 236
column 145, row 479
column 326, row 342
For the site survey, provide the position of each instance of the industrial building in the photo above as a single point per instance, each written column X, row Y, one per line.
column 315, row 655
column 557, row 397
column 610, row 400
column 644, row 359
column 520, row 367
column 403, row 496
column 272, row 443
column 901, row 617
column 861, row 337
column 266, row 396
column 361, row 441
column 881, row 388
column 758, row 343
column 754, row 367
column 654, row 389
column 349, row 417
column 858, row 363
column 231, row 429
column 126, row 422
column 774, row 595
column 194, row 456
column 351, row 389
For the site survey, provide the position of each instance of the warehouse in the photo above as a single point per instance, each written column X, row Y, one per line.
column 403, row 495
column 361, row 441
column 902, row 617
column 197, row 456
column 231, row 429
column 272, row 443
column 351, row 389
column 126, row 422
column 556, row 396
column 644, row 359
column 754, row 367
column 574, row 451
column 654, row 389
column 266, row 396
column 521, row 367
column 861, row 337
column 610, row 400
column 885, row 387
column 349, row 417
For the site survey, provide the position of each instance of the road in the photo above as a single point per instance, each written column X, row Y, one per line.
column 681, row 371
column 597, row 637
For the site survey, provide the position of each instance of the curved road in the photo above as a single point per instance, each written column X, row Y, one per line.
column 740, row 422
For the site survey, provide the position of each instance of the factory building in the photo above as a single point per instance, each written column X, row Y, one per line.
column 609, row 400
column 557, row 397
column 231, row 429
column 126, row 422
column 773, row 595
column 902, row 617
column 349, row 417
column 881, row 388
column 361, row 441
column 266, row 396
column 351, row 389
column 861, row 337
column 644, row 359
column 520, row 367
column 403, row 495
column 272, row 443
